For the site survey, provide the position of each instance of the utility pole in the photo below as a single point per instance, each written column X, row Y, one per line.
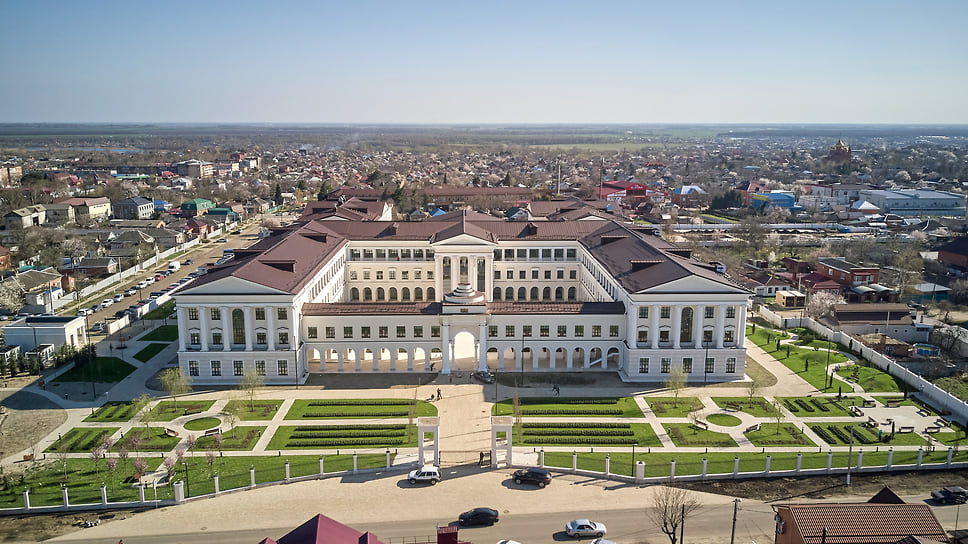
column 732, row 535
column 850, row 452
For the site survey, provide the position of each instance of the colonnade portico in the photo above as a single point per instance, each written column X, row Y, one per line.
column 699, row 325
column 202, row 324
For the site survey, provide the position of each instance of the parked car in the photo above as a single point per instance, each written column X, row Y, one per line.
column 98, row 327
column 159, row 277
column 119, row 297
column 85, row 311
column 107, row 302
column 149, row 280
column 479, row 516
column 236, row 232
column 428, row 473
column 221, row 241
column 131, row 292
column 189, row 261
column 585, row 527
column 120, row 313
column 483, row 376
column 537, row 476
column 953, row 494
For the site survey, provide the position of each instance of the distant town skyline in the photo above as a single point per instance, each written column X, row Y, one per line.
column 428, row 62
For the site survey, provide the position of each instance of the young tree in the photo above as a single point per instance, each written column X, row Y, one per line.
column 821, row 303
column 190, row 443
column 123, row 454
column 233, row 412
column 676, row 382
column 671, row 506
column 96, row 455
column 144, row 410
column 777, row 415
column 112, row 466
column 249, row 386
column 175, row 383
column 140, row 466
column 752, row 388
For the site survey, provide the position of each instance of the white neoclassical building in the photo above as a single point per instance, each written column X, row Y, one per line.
column 462, row 292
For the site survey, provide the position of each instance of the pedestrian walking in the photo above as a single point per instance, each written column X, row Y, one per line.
column 481, row 462
column 438, row 393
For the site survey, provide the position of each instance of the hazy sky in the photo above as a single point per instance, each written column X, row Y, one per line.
column 472, row 61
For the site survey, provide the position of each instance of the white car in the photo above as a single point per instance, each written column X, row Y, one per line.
column 107, row 302
column 118, row 297
column 85, row 311
column 131, row 292
column 428, row 473
column 585, row 527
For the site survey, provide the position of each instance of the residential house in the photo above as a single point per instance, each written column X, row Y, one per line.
column 195, row 207
column 60, row 214
column 21, row 218
column 256, row 206
column 886, row 345
column 40, row 287
column 954, row 254
column 775, row 199
column 789, row 299
column 858, row 283
column 894, row 320
column 10, row 173
column 194, row 168
column 137, row 207
column 162, row 206
column 688, row 196
column 96, row 266
column 91, row 209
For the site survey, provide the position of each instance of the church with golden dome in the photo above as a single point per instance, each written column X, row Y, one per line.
column 839, row 153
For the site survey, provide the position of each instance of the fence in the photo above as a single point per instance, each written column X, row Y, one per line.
column 951, row 407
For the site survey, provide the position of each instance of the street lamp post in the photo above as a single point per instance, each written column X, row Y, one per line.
column 188, row 487
column 850, row 452
column 732, row 534
column 633, row 457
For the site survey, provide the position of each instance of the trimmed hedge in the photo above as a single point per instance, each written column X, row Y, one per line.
column 333, row 443
column 803, row 404
column 348, row 427
column 819, row 404
column 573, row 412
column 386, row 413
column 581, row 432
column 363, row 402
column 822, row 433
column 558, row 400
column 605, row 440
column 578, row 425
column 352, row 434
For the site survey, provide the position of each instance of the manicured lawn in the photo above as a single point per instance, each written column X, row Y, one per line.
column 838, row 434
column 149, row 351
column 570, row 407
column 161, row 312
column 901, row 400
column 807, row 363
column 202, row 424
column 303, row 409
column 241, row 437
column 104, row 370
column 786, row 434
column 820, row 406
column 165, row 410
column 113, row 412
column 872, row 379
column 324, row 437
column 724, row 420
column 686, row 435
column 259, row 410
column 759, row 407
column 952, row 438
column 154, row 439
column 670, row 407
column 81, row 439
column 165, row 333
column 587, row 434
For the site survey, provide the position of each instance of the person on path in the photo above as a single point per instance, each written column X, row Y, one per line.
column 438, row 393
column 481, row 462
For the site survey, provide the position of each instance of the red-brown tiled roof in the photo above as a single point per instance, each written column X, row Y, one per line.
column 865, row 523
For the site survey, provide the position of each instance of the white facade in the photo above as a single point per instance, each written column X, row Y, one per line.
column 30, row 332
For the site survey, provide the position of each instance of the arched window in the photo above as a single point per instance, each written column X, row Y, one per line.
column 405, row 294
column 417, row 293
column 546, row 293
column 497, row 293
column 571, row 293
column 509, row 293
column 393, row 294
column 238, row 327
column 431, row 294
column 445, row 265
column 354, row 294
column 380, row 294
column 534, row 293
column 685, row 329
column 559, row 293
column 367, row 294
column 522, row 293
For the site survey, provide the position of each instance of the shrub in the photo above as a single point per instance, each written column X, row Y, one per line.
column 803, row 404
column 578, row 425
column 820, row 405
column 822, row 433
column 573, row 412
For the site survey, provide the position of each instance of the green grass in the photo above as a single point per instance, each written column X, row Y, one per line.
column 301, row 409
column 202, row 424
column 81, row 439
column 343, row 437
column 724, row 420
column 862, row 433
column 104, row 370
column 166, row 410
column 259, row 410
column 154, row 439
column 873, row 380
column 686, row 435
column 150, row 351
column 240, row 438
column 162, row 312
column 760, row 407
column 806, row 363
column 564, row 435
column 670, row 407
column 165, row 333
column 786, row 434
column 113, row 412
column 836, row 408
column 567, row 407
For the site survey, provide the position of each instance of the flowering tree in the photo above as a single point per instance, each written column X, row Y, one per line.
column 821, row 303
column 96, row 455
column 169, row 465
column 190, row 443
column 140, row 466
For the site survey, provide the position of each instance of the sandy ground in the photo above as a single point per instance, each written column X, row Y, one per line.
column 25, row 417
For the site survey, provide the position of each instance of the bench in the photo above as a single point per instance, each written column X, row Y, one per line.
column 734, row 407
column 702, row 424
column 857, row 411
column 932, row 429
column 906, row 429
column 894, row 404
column 869, row 403
column 752, row 428
column 171, row 432
column 29, row 457
column 942, row 422
column 871, row 421
column 210, row 432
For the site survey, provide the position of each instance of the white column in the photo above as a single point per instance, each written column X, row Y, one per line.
column 205, row 330
column 656, row 309
column 472, row 271
column 393, row 359
column 445, row 350
column 182, row 326
column 249, row 322
column 454, row 272
column 482, row 349
column 741, row 328
column 676, row 325
column 720, row 325
column 438, row 278
column 489, row 278
column 271, row 327
column 226, row 328
column 699, row 316
column 632, row 325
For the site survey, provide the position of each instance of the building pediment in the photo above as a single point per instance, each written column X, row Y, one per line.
column 231, row 285
column 694, row 284
column 463, row 240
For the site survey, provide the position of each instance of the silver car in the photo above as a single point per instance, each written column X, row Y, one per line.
column 584, row 527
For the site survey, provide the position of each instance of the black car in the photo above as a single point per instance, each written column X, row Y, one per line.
column 953, row 494
column 537, row 476
column 478, row 516
column 483, row 376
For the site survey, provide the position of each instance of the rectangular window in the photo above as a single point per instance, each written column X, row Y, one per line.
column 579, row 331
column 215, row 313
column 596, row 331
column 522, row 274
column 547, row 274
column 353, row 275
column 282, row 314
column 404, row 275
column 643, row 312
column 435, row 331
column 194, row 338
column 260, row 314
column 707, row 337
column 545, row 254
column 613, row 331
column 313, row 332
column 560, row 274
column 497, row 274
column 509, row 330
column 570, row 254
column 731, row 365
column 418, row 273
column 331, row 332
column 545, row 331
column 237, row 369
column 687, row 365
column 347, row 332
column 534, row 274
column 730, row 312
column 666, row 365
column 418, row 332
column 384, row 332
column 709, row 312
column 260, row 368
column 643, row 336
column 193, row 368
column 643, row 365
column 366, row 275
column 401, row 332
column 663, row 337
column 193, row 314
column 284, row 338
column 392, row 274
column 526, row 330
column 562, row 331
column 728, row 337
column 261, row 338
column 282, row 367
column 379, row 275
column 217, row 337
column 492, row 331
column 665, row 312
column 710, row 365
column 364, row 332
column 559, row 254
column 430, row 275
column 573, row 274
column 216, row 368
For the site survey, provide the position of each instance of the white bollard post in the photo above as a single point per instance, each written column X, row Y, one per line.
column 799, row 461
column 26, row 499
column 388, row 459
column 769, row 458
column 215, row 479
column 287, row 471
column 64, row 493
column 179, row 488
column 950, row 453
column 736, row 466
column 705, row 463
column 574, row 461
column 920, row 456
column 672, row 470
column 541, row 458
column 830, row 460
column 890, row 458
column 639, row 471
column 141, row 493
column 354, row 463
column 608, row 462
column 860, row 459
column 321, row 471
column 104, row 493
column 251, row 475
